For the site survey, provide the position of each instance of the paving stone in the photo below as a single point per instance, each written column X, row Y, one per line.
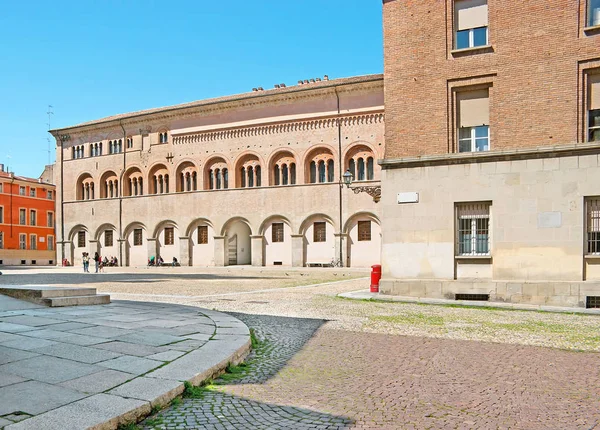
column 28, row 343
column 4, row 422
column 14, row 328
column 148, row 338
column 187, row 345
column 166, row 355
column 129, row 364
column 35, row 397
column 98, row 382
column 66, row 326
column 156, row 391
column 33, row 321
column 49, row 369
column 47, row 333
column 77, row 353
column 130, row 348
column 9, row 379
column 80, row 339
column 8, row 355
column 100, row 331
column 199, row 336
column 5, row 337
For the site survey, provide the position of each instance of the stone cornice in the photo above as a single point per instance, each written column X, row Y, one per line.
column 284, row 127
column 567, row 150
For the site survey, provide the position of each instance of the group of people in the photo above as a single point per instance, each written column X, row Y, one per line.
column 99, row 262
column 160, row 262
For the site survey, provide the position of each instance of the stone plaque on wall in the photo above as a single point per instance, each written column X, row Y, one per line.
column 549, row 219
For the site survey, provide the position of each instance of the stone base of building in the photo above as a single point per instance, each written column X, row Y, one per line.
column 552, row 293
column 12, row 257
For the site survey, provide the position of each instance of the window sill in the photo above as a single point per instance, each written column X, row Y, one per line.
column 594, row 29
column 472, row 51
column 473, row 257
column 592, row 257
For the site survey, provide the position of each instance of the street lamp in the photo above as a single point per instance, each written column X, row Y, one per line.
column 374, row 191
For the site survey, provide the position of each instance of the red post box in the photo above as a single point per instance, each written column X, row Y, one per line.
column 375, row 277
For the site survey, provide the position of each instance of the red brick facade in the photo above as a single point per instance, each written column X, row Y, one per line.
column 535, row 65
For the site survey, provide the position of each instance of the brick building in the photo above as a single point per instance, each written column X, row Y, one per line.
column 27, row 218
column 252, row 178
column 492, row 140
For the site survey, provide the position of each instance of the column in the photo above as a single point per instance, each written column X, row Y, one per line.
column 297, row 250
column 184, row 251
column 219, row 250
column 258, row 250
column 121, row 254
column 341, row 239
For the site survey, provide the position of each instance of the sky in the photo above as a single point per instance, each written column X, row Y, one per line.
column 93, row 58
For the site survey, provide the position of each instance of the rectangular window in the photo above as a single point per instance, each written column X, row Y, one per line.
column 1, row 214
column 32, row 241
column 277, row 232
column 470, row 23
column 364, row 231
column 593, row 13
column 50, row 243
column 1, row 240
column 22, row 216
column 81, row 239
column 32, row 192
column 21, row 191
column 594, row 107
column 1, row 187
column 22, row 241
column 108, row 238
column 202, row 235
column 473, row 228
column 473, row 121
column 592, row 225
column 50, row 216
column 32, row 217
column 50, row 195
column 169, row 236
column 319, row 232
column 137, row 237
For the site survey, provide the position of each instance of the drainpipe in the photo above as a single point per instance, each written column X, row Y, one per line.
column 339, row 125
column 121, row 194
column 12, row 183
column 62, row 201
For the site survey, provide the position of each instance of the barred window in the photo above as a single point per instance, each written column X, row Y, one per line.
column 364, row 231
column 319, row 232
column 202, row 235
column 32, row 241
column 32, row 217
column 22, row 241
column 108, row 238
column 50, row 243
column 473, row 228
column 593, row 225
column 50, row 216
column 22, row 216
column 277, row 232
column 137, row 237
column 81, row 239
column 169, row 236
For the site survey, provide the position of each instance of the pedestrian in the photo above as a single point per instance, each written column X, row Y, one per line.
column 86, row 262
column 96, row 261
column 100, row 265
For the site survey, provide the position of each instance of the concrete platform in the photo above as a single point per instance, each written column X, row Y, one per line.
column 56, row 296
column 102, row 366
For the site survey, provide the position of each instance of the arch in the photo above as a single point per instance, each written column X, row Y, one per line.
column 132, row 182
column 163, row 224
column 194, row 223
column 159, row 179
column 85, row 183
column 307, row 221
column 186, row 174
column 312, row 159
column 268, row 220
column 352, row 146
column 135, row 254
column 366, row 214
column 107, row 177
column 101, row 228
column 282, row 160
column 214, row 167
column 132, row 226
column 76, row 229
column 233, row 220
column 356, row 159
column 248, row 163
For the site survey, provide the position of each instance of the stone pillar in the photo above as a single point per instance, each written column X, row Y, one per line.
column 257, row 250
column 184, row 251
column 219, row 250
column 121, row 253
column 297, row 250
column 341, row 239
column 152, row 248
column 68, row 251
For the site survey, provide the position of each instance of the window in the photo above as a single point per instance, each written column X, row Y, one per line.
column 592, row 225
column 50, row 195
column 163, row 137
column 594, row 107
column 1, row 214
column 21, row 191
column 32, row 217
column 50, row 243
column 81, row 239
column 22, row 241
column 473, row 226
column 108, row 238
column 364, row 231
column 1, row 240
column 1, row 189
column 137, row 237
column 473, row 121
column 32, row 241
column 594, row 13
column 169, row 236
column 32, row 192
column 202, row 235
column 50, row 219
column 22, row 216
column 130, row 142
column 277, row 232
column 319, row 232
column 470, row 23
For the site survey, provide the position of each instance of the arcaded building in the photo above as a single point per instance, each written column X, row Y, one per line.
column 27, row 220
column 252, row 179
column 490, row 183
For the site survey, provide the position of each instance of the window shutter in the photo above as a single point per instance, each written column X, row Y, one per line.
column 473, row 108
column 594, row 98
column 471, row 14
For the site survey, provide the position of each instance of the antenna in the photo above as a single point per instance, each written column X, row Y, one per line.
column 50, row 112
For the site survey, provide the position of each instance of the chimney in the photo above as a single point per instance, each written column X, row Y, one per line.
column 300, row 82
column 261, row 89
column 276, row 85
column 318, row 79
column 254, row 89
column 325, row 78
column 306, row 81
column 1, row 167
column 282, row 85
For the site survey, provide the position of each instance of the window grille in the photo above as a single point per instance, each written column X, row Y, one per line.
column 593, row 225
column 473, row 229
column 202, row 235
column 108, row 238
column 137, row 237
column 364, row 231
column 169, row 236
column 277, row 232
column 319, row 232
column 81, row 239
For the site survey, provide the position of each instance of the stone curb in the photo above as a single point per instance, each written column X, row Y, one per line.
column 134, row 400
column 367, row 295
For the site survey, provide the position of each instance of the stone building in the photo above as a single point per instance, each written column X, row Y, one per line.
column 245, row 179
column 490, row 177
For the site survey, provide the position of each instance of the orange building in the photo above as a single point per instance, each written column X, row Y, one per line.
column 27, row 220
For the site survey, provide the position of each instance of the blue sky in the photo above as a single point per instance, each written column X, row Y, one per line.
column 90, row 59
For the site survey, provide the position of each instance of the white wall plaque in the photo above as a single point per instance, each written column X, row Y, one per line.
column 411, row 197
column 549, row 220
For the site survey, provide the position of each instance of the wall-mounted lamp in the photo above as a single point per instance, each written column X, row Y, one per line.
column 374, row 191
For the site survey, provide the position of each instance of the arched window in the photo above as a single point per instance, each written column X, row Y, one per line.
column 352, row 167
column 120, row 146
column 313, row 172
column 167, row 184
column 322, row 175
column 250, row 177
column 361, row 169
column 225, row 179
column 161, row 184
column 293, row 173
column 284, row 174
column 243, row 176
column 211, row 182
column 100, row 148
column 276, row 174
column 188, row 182
column 370, row 168
column 141, row 186
column 194, row 181
column 133, row 187
column 257, row 172
column 218, row 175
column 330, row 171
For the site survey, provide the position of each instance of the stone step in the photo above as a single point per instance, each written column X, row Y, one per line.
column 96, row 299
column 34, row 293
